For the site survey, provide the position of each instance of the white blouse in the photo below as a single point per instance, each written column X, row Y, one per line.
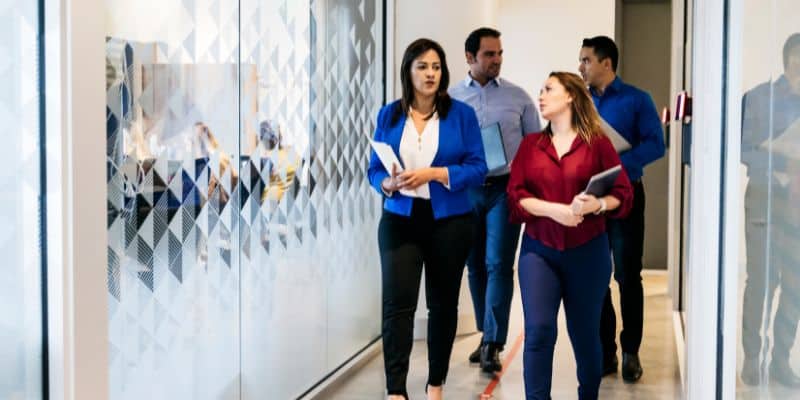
column 417, row 150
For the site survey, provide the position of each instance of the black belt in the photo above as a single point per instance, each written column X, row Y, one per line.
column 496, row 180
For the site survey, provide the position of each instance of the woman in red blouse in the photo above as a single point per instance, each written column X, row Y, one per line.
column 565, row 254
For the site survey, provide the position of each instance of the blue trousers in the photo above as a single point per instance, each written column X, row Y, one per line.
column 491, row 262
column 578, row 276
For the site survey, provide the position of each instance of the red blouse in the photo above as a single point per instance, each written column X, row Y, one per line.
column 537, row 172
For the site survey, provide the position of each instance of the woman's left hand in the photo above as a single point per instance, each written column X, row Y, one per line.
column 414, row 178
column 583, row 204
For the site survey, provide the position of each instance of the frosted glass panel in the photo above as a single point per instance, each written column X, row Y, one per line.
column 310, row 276
column 242, row 231
column 172, row 79
column 20, row 280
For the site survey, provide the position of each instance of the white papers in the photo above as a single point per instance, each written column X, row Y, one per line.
column 619, row 142
column 786, row 144
column 387, row 156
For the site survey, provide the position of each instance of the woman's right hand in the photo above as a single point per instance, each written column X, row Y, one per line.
column 563, row 214
column 391, row 184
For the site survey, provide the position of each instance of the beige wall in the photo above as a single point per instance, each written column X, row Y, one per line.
column 645, row 63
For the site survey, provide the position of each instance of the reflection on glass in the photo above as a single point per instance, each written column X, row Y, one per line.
column 173, row 116
column 771, row 286
column 20, row 279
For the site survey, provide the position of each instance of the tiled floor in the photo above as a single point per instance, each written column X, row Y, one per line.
column 659, row 359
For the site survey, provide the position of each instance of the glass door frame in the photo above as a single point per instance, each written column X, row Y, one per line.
column 709, row 229
column 731, row 201
column 77, row 302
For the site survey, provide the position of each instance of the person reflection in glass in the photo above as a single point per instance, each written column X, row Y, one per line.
column 205, row 145
column 771, row 111
column 283, row 162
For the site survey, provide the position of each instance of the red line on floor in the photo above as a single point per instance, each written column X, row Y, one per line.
column 487, row 393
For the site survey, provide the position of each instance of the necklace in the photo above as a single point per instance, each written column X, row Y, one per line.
column 419, row 134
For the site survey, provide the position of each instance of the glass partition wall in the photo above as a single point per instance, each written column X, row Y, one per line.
column 242, row 248
column 768, row 64
column 21, row 280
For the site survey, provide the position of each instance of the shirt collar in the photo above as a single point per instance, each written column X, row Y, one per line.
column 615, row 86
column 545, row 143
column 497, row 82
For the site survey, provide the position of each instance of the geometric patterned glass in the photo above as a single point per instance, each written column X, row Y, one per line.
column 242, row 254
column 172, row 80
column 310, row 276
column 769, row 279
column 20, row 236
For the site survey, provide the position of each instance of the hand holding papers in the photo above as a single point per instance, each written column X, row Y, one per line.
column 619, row 142
column 387, row 156
column 786, row 143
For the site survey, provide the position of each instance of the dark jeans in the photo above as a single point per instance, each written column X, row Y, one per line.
column 626, row 238
column 764, row 274
column 491, row 262
column 406, row 244
column 579, row 276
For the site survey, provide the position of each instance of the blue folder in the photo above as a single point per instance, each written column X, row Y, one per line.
column 493, row 147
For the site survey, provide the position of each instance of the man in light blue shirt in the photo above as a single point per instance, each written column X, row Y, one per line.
column 491, row 263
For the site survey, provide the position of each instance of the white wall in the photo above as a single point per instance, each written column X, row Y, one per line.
column 540, row 36
column 447, row 22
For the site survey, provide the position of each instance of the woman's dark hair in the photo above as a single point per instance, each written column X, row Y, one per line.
column 442, row 102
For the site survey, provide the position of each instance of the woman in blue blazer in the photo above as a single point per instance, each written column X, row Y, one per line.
column 427, row 214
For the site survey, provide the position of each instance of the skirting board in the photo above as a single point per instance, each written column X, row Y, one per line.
column 333, row 382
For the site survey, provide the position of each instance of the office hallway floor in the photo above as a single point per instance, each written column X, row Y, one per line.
column 661, row 378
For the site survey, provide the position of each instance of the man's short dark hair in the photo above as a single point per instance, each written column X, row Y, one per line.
column 792, row 43
column 604, row 47
column 473, row 42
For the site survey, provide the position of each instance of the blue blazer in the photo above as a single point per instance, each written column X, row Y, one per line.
column 460, row 151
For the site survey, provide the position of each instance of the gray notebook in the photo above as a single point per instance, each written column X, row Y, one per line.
column 493, row 147
column 600, row 184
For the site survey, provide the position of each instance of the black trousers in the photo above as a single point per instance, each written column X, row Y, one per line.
column 769, row 266
column 406, row 244
column 626, row 238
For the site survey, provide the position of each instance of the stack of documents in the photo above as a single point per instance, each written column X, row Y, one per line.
column 619, row 142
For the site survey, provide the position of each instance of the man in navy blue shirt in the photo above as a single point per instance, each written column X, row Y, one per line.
column 631, row 112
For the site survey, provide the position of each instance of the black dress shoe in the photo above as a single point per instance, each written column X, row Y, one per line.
column 610, row 365
column 782, row 373
column 490, row 358
column 475, row 356
column 750, row 374
column 631, row 367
